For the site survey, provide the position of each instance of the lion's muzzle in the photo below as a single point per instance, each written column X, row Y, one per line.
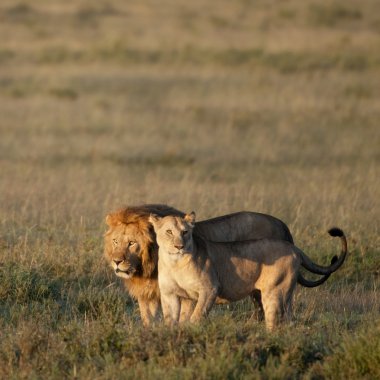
column 123, row 269
column 125, row 273
column 129, row 271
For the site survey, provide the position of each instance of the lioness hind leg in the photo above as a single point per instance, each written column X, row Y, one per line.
column 273, row 309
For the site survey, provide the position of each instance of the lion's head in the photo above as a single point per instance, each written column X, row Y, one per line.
column 130, row 242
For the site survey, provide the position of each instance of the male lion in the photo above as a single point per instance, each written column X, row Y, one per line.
column 192, row 268
column 131, row 248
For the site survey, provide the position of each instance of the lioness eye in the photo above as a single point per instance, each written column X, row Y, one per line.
column 132, row 242
column 184, row 232
column 169, row 232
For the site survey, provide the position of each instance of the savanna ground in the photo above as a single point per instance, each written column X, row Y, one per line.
column 214, row 107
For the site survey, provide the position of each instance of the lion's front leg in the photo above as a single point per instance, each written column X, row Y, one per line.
column 149, row 310
column 205, row 301
column 154, row 307
column 144, row 311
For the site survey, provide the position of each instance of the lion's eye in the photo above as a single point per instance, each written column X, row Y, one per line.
column 169, row 232
column 131, row 243
column 115, row 242
column 184, row 232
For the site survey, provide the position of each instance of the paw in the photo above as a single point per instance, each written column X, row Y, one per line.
column 195, row 319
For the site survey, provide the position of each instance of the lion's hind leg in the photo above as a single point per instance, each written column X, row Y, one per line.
column 256, row 299
column 288, row 304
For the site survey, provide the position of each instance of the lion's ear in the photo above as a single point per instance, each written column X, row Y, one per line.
column 112, row 221
column 190, row 218
column 154, row 220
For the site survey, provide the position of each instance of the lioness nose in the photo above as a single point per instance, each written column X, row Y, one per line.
column 179, row 246
column 117, row 262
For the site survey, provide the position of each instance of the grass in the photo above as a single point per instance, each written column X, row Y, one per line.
column 212, row 109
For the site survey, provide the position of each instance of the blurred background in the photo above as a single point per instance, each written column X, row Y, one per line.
column 270, row 106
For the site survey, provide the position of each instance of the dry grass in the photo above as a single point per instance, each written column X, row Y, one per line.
column 248, row 105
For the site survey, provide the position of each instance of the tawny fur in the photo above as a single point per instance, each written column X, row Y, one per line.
column 190, row 268
column 132, row 223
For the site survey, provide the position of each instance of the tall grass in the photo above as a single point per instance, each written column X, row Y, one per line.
column 213, row 109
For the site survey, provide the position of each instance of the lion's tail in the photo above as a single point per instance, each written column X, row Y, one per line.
column 312, row 284
column 336, row 262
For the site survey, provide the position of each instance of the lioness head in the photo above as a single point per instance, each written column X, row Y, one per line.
column 174, row 233
column 129, row 247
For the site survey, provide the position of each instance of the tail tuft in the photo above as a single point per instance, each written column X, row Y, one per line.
column 335, row 231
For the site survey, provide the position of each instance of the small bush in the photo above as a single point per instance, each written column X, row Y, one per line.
column 357, row 357
column 21, row 285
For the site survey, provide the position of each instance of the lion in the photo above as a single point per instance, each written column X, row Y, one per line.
column 130, row 247
column 192, row 268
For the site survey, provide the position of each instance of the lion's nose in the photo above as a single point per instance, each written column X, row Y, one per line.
column 117, row 262
column 179, row 246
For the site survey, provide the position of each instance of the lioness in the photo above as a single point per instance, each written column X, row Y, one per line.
column 131, row 249
column 192, row 268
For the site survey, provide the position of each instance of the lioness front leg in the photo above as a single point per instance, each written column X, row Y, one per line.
column 170, row 307
column 205, row 301
column 187, row 307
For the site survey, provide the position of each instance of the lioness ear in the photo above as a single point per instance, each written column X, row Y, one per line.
column 112, row 221
column 190, row 218
column 154, row 219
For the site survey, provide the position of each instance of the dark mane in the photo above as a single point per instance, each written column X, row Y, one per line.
column 134, row 214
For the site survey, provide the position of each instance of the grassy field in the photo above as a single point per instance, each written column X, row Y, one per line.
column 213, row 107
